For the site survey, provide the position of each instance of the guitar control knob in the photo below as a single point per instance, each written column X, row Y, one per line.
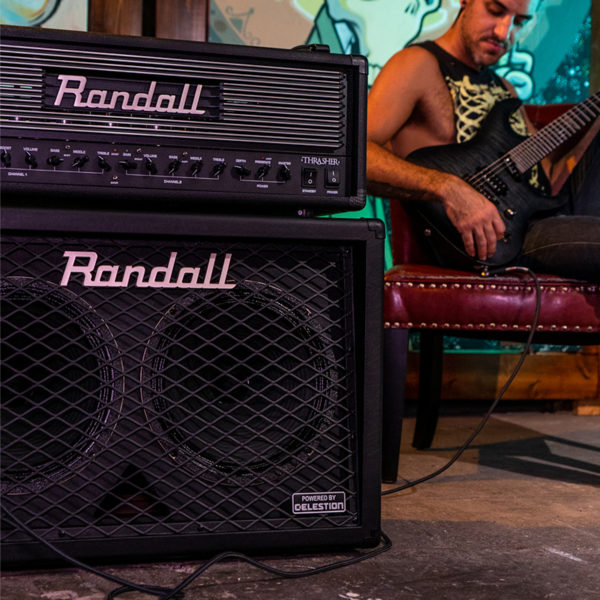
column 240, row 171
column 196, row 168
column 173, row 166
column 262, row 171
column 103, row 164
column 31, row 160
column 284, row 173
column 5, row 158
column 128, row 164
column 218, row 169
column 151, row 167
column 80, row 161
column 510, row 213
column 54, row 160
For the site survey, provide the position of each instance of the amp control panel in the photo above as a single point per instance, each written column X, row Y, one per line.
column 86, row 170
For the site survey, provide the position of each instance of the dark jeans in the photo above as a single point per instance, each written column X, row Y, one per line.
column 568, row 243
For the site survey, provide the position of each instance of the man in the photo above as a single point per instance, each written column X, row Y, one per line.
column 415, row 103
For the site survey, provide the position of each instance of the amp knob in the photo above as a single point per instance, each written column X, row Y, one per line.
column 262, row 171
column 54, row 160
column 218, row 169
column 31, row 160
column 128, row 165
column 80, row 161
column 284, row 173
column 196, row 168
column 241, row 171
column 173, row 166
column 103, row 164
column 151, row 167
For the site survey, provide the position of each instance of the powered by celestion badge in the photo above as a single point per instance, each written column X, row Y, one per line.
column 310, row 504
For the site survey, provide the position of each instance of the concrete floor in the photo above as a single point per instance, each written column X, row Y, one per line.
column 516, row 518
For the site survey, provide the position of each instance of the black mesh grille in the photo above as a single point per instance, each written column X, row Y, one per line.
column 150, row 411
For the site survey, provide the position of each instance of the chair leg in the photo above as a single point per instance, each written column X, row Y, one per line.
column 395, row 354
column 430, row 388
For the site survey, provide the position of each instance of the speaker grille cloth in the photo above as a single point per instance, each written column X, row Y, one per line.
column 138, row 410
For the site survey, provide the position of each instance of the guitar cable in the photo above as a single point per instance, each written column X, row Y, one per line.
column 515, row 371
column 177, row 592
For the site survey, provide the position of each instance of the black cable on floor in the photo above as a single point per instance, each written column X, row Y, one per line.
column 517, row 368
column 177, row 592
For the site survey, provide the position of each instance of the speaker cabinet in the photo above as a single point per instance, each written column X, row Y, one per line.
column 178, row 385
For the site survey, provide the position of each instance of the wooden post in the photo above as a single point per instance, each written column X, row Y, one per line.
column 182, row 19
column 119, row 17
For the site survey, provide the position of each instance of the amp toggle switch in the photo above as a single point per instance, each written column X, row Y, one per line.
column 309, row 177
column 332, row 177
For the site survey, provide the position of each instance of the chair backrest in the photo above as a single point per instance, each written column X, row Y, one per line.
column 408, row 246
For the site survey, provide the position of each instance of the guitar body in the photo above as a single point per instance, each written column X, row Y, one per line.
column 516, row 200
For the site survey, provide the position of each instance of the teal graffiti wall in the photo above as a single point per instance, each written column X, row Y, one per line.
column 550, row 63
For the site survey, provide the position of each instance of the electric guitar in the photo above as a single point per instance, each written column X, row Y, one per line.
column 508, row 156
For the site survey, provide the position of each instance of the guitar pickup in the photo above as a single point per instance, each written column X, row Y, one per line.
column 512, row 169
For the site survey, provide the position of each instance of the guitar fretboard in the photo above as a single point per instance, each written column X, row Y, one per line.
column 534, row 148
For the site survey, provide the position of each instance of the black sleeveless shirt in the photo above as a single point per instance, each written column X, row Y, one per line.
column 473, row 93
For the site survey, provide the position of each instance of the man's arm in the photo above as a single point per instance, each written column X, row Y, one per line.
column 393, row 119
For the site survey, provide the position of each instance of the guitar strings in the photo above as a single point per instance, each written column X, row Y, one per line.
column 550, row 130
column 529, row 149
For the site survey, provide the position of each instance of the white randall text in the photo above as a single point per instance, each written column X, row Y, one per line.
column 142, row 101
column 84, row 263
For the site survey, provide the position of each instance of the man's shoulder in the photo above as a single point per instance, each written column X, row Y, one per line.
column 414, row 59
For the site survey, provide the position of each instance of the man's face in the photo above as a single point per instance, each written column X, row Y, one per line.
column 489, row 28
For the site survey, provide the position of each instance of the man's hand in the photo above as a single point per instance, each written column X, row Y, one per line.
column 474, row 216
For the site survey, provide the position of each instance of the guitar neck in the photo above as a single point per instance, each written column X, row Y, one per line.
column 533, row 149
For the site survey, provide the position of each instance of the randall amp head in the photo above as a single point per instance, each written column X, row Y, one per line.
column 93, row 120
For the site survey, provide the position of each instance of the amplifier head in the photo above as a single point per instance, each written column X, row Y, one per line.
column 200, row 383
column 203, row 125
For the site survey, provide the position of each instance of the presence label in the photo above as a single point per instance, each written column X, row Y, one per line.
column 313, row 503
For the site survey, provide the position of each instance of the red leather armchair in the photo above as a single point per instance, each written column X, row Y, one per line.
column 434, row 301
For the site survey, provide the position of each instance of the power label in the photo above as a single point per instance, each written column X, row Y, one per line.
column 311, row 503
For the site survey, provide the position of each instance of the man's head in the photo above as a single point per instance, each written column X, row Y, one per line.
column 487, row 29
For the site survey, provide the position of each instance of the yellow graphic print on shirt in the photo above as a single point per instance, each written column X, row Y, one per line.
column 472, row 103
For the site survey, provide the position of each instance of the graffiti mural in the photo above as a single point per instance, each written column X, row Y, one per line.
column 56, row 14
column 548, row 63
column 551, row 60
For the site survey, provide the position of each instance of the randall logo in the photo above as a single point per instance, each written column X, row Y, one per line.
column 84, row 263
column 78, row 92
